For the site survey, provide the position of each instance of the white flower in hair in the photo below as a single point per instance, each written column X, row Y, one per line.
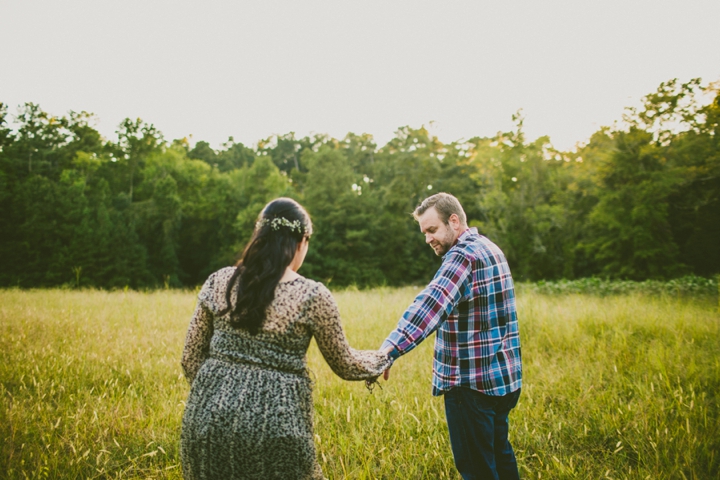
column 278, row 222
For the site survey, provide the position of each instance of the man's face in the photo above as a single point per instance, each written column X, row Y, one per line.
column 439, row 236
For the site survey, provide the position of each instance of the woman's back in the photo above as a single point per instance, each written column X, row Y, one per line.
column 280, row 344
column 249, row 413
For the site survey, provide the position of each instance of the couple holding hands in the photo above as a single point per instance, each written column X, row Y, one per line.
column 250, row 413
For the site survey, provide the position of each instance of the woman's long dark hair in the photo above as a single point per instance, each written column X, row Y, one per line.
column 280, row 228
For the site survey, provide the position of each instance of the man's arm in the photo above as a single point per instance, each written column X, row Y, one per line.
column 431, row 307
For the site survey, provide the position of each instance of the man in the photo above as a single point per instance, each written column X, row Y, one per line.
column 471, row 304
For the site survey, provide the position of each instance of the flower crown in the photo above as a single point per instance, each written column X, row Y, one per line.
column 278, row 222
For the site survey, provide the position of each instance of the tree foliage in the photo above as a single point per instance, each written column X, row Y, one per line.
column 638, row 201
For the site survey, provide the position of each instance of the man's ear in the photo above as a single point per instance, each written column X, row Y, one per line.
column 454, row 221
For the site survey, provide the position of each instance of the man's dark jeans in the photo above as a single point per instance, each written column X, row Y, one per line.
column 478, row 425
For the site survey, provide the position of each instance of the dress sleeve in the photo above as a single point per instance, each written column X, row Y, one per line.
column 200, row 331
column 347, row 362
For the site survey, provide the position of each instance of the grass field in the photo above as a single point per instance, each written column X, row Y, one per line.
column 614, row 387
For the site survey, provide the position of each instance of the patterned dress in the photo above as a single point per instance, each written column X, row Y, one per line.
column 249, row 414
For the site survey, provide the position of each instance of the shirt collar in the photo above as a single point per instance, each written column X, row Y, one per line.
column 458, row 239
column 467, row 232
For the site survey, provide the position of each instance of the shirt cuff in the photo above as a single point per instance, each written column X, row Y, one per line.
column 394, row 353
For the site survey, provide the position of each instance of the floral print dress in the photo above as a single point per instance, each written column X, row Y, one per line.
column 249, row 414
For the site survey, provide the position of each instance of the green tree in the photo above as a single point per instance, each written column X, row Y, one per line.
column 136, row 141
column 345, row 247
column 257, row 185
column 632, row 237
column 406, row 171
column 658, row 187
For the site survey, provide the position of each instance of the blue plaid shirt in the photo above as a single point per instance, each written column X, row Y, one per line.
column 471, row 304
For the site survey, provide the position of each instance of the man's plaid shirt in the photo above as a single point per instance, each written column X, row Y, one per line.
column 471, row 304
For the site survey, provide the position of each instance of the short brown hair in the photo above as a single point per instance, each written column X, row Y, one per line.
column 445, row 204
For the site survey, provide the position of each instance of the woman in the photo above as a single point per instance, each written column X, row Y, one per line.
column 249, row 412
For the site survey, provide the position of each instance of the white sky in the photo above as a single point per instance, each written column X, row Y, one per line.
column 215, row 69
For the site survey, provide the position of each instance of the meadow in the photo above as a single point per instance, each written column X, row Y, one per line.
column 618, row 386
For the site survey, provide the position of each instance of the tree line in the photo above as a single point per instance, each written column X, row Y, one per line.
column 640, row 200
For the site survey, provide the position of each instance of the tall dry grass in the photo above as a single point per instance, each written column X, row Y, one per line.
column 614, row 387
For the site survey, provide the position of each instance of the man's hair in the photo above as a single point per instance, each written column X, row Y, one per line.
column 445, row 204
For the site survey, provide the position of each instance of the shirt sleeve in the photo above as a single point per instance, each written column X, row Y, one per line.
column 347, row 362
column 432, row 306
column 200, row 331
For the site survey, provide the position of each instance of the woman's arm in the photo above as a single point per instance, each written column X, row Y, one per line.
column 347, row 362
column 197, row 342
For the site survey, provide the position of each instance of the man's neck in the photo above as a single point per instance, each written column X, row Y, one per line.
column 464, row 229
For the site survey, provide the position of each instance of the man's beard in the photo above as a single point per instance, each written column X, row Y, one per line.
column 444, row 245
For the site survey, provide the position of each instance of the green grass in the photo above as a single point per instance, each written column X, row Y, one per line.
column 614, row 387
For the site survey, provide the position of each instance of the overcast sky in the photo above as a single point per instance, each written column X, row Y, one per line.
column 215, row 69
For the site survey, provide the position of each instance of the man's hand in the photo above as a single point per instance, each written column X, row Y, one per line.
column 386, row 373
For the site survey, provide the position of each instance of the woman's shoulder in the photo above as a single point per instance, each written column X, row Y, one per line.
column 319, row 293
column 212, row 293
column 308, row 284
column 306, row 288
column 219, row 278
column 223, row 274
